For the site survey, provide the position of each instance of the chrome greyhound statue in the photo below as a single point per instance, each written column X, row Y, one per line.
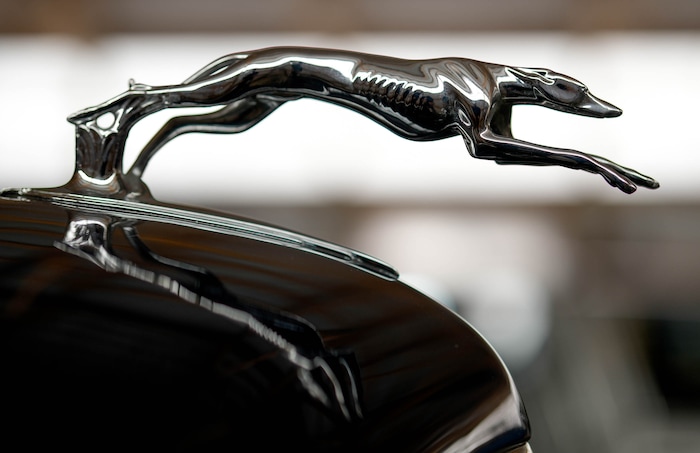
column 416, row 99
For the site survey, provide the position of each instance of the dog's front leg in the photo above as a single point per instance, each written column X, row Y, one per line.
column 507, row 150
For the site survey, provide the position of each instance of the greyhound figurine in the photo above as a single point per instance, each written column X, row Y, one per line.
column 416, row 99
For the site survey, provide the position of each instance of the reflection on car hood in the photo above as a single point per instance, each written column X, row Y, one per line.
column 208, row 330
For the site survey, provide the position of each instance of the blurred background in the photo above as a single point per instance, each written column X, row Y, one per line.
column 590, row 295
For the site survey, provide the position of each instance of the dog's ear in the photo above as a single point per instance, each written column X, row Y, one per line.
column 539, row 74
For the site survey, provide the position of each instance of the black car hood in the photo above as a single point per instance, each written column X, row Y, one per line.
column 195, row 330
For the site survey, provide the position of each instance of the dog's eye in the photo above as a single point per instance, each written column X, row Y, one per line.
column 565, row 92
column 566, row 88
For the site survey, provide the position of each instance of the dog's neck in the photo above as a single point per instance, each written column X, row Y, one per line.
column 518, row 88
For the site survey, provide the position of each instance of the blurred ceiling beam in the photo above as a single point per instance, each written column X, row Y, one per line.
column 88, row 18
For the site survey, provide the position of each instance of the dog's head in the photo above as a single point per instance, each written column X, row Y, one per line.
column 560, row 92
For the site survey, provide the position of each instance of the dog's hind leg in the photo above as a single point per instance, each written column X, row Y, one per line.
column 236, row 117
column 506, row 150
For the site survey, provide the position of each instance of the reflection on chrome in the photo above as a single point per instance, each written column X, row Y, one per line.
column 88, row 236
column 416, row 99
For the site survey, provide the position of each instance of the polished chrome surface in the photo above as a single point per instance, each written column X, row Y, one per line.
column 415, row 99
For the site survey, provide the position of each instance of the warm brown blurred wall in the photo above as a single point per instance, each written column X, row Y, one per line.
column 620, row 368
column 95, row 17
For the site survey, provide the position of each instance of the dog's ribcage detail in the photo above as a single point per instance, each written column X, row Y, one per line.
column 421, row 94
column 425, row 92
column 400, row 96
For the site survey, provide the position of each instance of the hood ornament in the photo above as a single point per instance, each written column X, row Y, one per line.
column 416, row 99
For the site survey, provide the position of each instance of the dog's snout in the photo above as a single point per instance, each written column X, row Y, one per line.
column 600, row 108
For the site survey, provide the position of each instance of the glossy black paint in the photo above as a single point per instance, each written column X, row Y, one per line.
column 99, row 358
